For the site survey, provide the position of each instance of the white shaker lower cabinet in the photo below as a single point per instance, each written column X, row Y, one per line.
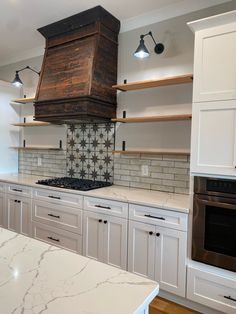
column 2, row 209
column 18, row 212
column 158, row 253
column 105, row 238
column 214, row 138
column 210, row 289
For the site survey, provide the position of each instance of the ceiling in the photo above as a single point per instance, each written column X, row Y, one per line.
column 21, row 18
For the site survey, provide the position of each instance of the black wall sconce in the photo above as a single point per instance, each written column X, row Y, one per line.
column 142, row 51
column 17, row 80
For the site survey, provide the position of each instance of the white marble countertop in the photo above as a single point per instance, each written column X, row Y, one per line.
column 170, row 201
column 39, row 278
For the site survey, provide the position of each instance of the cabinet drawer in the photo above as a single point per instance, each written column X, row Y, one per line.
column 19, row 190
column 64, row 239
column 101, row 205
column 159, row 217
column 212, row 290
column 59, row 216
column 58, row 197
column 2, row 187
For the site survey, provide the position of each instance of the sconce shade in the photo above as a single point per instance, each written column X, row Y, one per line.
column 17, row 81
column 142, row 51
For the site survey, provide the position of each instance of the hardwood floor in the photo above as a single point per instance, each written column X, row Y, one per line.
column 163, row 306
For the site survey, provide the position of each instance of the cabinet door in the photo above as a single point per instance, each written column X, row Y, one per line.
column 115, row 241
column 170, row 260
column 215, row 64
column 141, row 249
column 18, row 214
column 2, row 209
column 93, row 235
column 214, row 138
column 24, row 207
column 13, row 214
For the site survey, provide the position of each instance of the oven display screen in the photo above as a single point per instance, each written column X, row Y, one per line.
column 221, row 186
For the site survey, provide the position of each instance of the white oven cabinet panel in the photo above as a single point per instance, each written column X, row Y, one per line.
column 18, row 211
column 160, row 217
column 63, row 217
column 212, row 290
column 2, row 209
column 141, row 249
column 215, row 63
column 19, row 190
column 214, row 138
column 115, row 241
column 170, row 260
column 64, row 239
column 58, row 197
column 103, row 206
column 93, row 235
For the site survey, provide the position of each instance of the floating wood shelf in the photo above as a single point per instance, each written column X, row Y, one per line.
column 155, row 152
column 174, row 80
column 154, row 118
column 30, row 124
column 36, row 147
column 24, row 100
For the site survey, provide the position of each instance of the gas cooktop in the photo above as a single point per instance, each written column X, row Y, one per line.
column 74, row 184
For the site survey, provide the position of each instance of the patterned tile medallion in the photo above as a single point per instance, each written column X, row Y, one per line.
column 89, row 151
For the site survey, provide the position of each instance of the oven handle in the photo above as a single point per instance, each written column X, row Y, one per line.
column 219, row 204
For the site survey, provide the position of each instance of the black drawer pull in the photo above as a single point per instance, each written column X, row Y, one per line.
column 150, row 233
column 158, row 234
column 229, row 298
column 99, row 220
column 17, row 190
column 105, row 222
column 54, row 197
column 53, row 239
column 16, row 201
column 150, row 216
column 100, row 206
column 54, row 216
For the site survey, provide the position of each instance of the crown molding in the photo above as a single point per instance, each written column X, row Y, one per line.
column 174, row 10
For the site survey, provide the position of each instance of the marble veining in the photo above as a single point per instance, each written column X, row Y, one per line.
column 170, row 201
column 38, row 278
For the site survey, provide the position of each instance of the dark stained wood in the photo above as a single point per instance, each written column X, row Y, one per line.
column 79, row 69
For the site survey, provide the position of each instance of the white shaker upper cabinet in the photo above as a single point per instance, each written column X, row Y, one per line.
column 214, row 138
column 214, row 58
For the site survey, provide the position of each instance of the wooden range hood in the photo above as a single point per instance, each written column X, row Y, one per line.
column 79, row 68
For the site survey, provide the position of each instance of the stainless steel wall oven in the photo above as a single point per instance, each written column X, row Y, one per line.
column 214, row 222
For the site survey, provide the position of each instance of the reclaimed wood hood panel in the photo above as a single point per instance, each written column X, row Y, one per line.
column 79, row 68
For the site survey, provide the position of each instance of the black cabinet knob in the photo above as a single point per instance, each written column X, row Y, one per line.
column 100, row 220
column 158, row 234
column 105, row 221
column 150, row 232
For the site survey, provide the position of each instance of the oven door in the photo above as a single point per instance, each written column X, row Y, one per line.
column 214, row 231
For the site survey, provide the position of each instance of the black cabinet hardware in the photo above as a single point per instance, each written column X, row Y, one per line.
column 53, row 239
column 105, row 221
column 229, row 298
column 18, row 201
column 15, row 201
column 54, row 216
column 150, row 233
column 150, row 216
column 99, row 220
column 54, row 197
column 100, row 206
column 17, row 190
column 158, row 234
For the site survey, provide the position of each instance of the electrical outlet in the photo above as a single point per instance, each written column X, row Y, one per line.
column 39, row 161
column 145, row 170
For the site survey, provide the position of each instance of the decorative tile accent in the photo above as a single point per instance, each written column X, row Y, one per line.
column 89, row 151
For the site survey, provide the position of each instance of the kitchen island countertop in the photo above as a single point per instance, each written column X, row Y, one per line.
column 39, row 278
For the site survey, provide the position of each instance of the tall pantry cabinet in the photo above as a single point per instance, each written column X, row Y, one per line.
column 213, row 150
